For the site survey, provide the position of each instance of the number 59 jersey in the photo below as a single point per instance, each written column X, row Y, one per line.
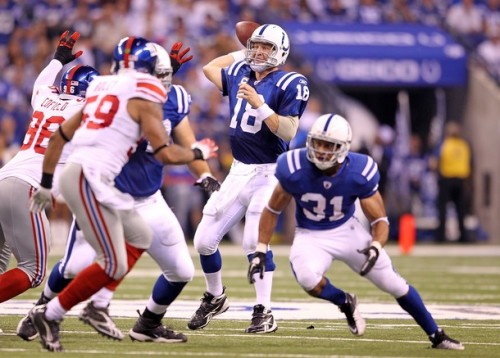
column 108, row 135
column 49, row 111
column 326, row 202
column 286, row 93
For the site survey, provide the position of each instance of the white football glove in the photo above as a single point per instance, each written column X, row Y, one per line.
column 207, row 147
column 42, row 199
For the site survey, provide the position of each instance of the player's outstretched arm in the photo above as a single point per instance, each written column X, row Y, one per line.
column 183, row 135
column 212, row 70
column 150, row 115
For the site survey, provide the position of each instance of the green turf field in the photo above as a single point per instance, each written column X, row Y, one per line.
column 442, row 276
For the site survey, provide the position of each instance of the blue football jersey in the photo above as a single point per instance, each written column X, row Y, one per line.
column 286, row 93
column 326, row 202
column 143, row 174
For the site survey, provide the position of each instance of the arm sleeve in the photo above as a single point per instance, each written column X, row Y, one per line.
column 46, row 77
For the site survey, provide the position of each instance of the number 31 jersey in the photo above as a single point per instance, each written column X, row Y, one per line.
column 49, row 111
column 326, row 202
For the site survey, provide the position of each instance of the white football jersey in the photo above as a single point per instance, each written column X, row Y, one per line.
column 108, row 135
column 49, row 111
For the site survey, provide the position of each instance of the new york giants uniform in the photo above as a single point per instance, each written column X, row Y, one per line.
column 142, row 178
column 27, row 234
column 327, row 229
column 250, row 181
column 102, row 146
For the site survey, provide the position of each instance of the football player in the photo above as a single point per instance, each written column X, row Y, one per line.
column 325, row 179
column 27, row 234
column 265, row 106
column 142, row 178
column 120, row 108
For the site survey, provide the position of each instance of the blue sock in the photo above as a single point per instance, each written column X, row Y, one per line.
column 413, row 304
column 165, row 292
column 332, row 294
column 56, row 280
column 211, row 263
column 270, row 265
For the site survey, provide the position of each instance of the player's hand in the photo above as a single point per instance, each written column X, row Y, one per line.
column 257, row 264
column 178, row 57
column 205, row 149
column 208, row 183
column 371, row 252
column 42, row 199
column 64, row 52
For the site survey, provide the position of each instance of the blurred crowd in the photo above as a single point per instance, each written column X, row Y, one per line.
column 29, row 30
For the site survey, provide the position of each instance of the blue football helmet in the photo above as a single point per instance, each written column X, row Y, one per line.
column 76, row 80
column 134, row 53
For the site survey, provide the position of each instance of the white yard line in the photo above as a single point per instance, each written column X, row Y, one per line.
column 282, row 310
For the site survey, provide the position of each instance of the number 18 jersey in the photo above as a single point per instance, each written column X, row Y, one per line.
column 286, row 93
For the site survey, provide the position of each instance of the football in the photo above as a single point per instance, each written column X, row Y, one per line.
column 244, row 30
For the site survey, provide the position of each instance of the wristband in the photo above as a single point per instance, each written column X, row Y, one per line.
column 198, row 154
column 64, row 136
column 261, row 247
column 159, row 148
column 46, row 181
column 238, row 55
column 264, row 111
column 275, row 212
column 384, row 219
column 377, row 245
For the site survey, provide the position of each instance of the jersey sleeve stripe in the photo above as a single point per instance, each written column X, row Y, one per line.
column 296, row 158
column 235, row 67
column 290, row 79
column 372, row 172
column 150, row 96
column 293, row 160
column 368, row 166
column 289, row 161
column 153, row 88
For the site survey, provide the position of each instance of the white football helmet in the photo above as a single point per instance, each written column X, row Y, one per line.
column 163, row 67
column 269, row 34
column 328, row 141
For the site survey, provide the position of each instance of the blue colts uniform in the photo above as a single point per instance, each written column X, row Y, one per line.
column 326, row 202
column 142, row 176
column 285, row 92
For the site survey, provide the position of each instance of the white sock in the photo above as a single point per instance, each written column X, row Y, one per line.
column 54, row 310
column 102, row 298
column 47, row 292
column 154, row 307
column 214, row 283
column 263, row 288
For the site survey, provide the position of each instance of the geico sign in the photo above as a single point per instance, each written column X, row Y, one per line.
column 372, row 70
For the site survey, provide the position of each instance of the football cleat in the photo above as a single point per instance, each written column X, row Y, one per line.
column 441, row 341
column 99, row 319
column 262, row 321
column 149, row 330
column 25, row 329
column 48, row 330
column 210, row 306
column 355, row 322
